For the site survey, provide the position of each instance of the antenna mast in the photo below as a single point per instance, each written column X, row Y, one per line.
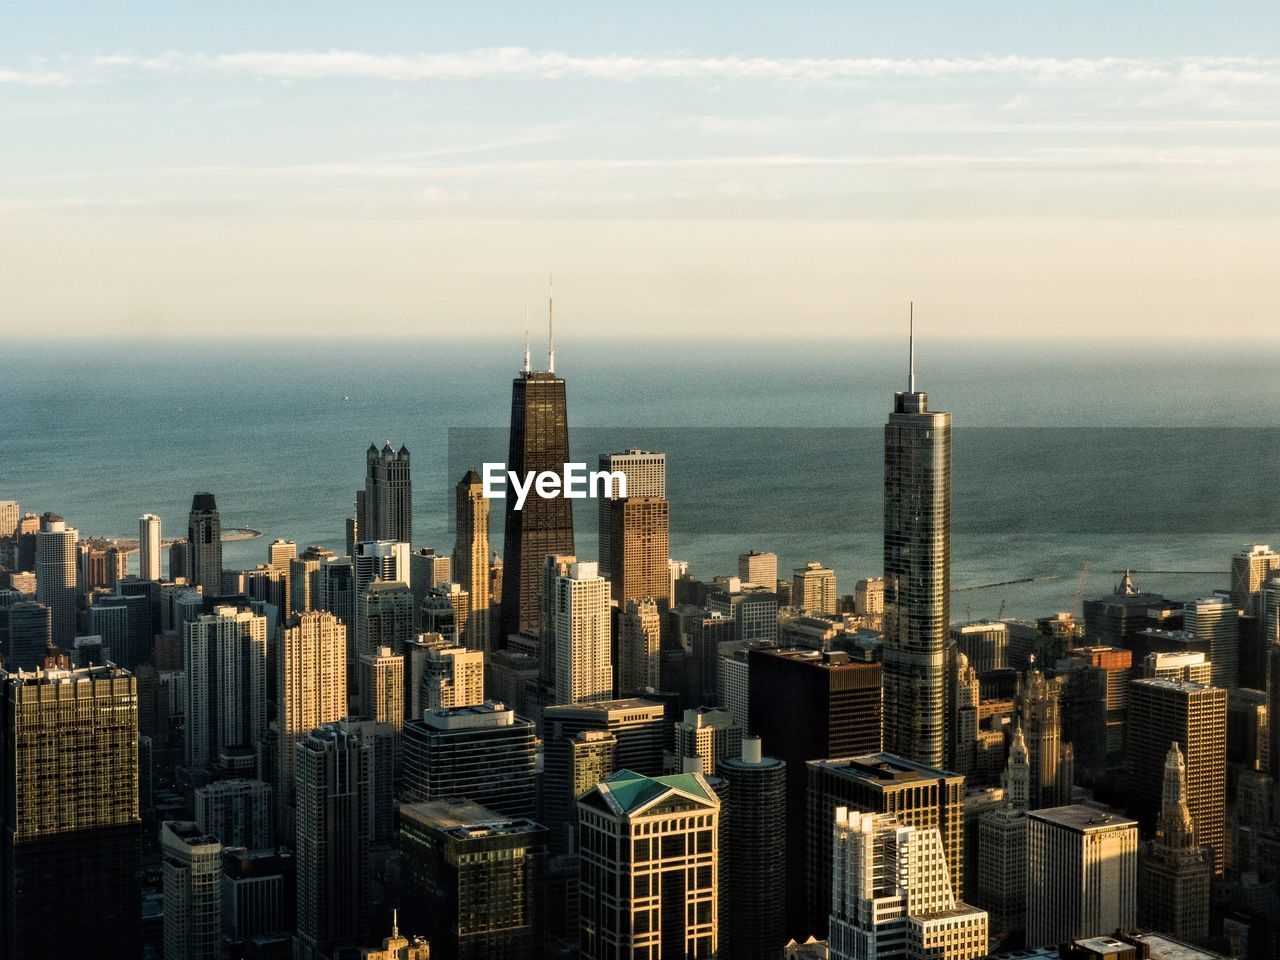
column 911, row 347
column 551, row 325
column 527, row 365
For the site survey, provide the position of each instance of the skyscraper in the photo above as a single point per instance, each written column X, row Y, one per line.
column 380, row 560
column 1002, row 847
column 892, row 890
column 149, row 547
column 204, row 539
column 1250, row 569
column 30, row 634
column 334, row 766
column 539, row 441
column 1052, row 762
column 382, row 687
column 813, row 587
column 1082, row 867
column 69, row 817
column 192, row 864
column 1214, row 619
column 659, row 835
column 385, row 511
column 471, row 557
column 640, row 727
column 753, row 854
column 384, row 617
column 452, row 676
column 758, row 569
column 705, row 737
column 225, row 658
column 427, row 570
column 584, row 667
column 1175, row 874
column 572, row 765
column 635, row 529
column 311, row 687
column 1194, row 716
column 56, row 575
column 917, row 575
column 639, row 642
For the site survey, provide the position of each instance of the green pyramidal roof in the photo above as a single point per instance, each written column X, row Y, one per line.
column 632, row 790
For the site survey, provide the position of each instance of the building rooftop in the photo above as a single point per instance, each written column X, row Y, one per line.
column 886, row 768
column 465, row 819
column 627, row 791
column 491, row 713
column 1084, row 817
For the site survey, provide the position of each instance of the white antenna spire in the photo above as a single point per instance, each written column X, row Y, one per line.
column 395, row 923
column 527, row 365
column 551, row 325
column 911, row 347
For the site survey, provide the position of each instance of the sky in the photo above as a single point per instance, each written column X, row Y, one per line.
column 1072, row 171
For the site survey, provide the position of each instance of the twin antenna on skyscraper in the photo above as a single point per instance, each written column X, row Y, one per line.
column 551, row 330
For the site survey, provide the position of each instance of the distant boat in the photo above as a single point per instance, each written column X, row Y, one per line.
column 346, row 396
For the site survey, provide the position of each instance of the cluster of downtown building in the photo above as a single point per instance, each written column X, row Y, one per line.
column 404, row 753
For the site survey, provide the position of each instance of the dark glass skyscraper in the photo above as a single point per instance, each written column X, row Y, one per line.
column 385, row 511
column 917, row 576
column 539, row 441
column 204, row 539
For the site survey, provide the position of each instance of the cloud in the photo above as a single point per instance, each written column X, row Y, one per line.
column 523, row 63
column 29, row 78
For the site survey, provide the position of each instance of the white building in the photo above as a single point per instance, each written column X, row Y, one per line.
column 149, row 547
column 192, row 892
column 225, row 655
column 452, row 676
column 1214, row 619
column 580, row 623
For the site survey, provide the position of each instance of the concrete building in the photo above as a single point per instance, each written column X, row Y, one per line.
column 311, row 687
column 225, row 657
column 753, row 611
column 704, row 738
column 640, row 726
column 1179, row 666
column 639, row 643
column 452, row 676
column 56, row 575
column 1082, row 864
column 471, row 558
column 382, row 688
column 1175, row 872
column 238, row 812
column 1002, row 848
column 669, row 828
column 427, row 570
column 813, row 587
column 584, row 668
column 149, row 546
column 758, row 569
column 384, row 618
column 192, row 865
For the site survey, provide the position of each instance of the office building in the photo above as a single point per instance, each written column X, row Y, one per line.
column 427, row 571
column 30, row 634
column 658, row 837
column 580, row 617
column 452, row 676
column 56, row 575
column 806, row 705
column 893, row 895
column 1095, row 704
column 382, row 687
column 646, row 478
column 572, row 765
column 8, row 518
column 69, row 815
column 484, row 753
column 753, row 611
column 471, row 558
column 918, row 795
column 397, row 947
column 868, row 599
column 384, row 617
column 640, row 543
column 1179, row 666
column 1194, row 716
column 539, row 440
column 639, row 643
column 704, row 738
column 126, row 625
column 984, row 642
column 917, row 576
column 380, row 560
column 258, row 894
column 149, row 547
column 1251, row 567
column 473, row 880
column 192, row 865
column 1116, row 619
column 1082, row 869
column 1002, row 847
column 813, row 587
column 1052, row 761
column 204, row 546
column 758, row 569
column 753, row 854
column 640, row 727
column 239, row 812
column 337, row 582
column 1175, row 873
column 304, row 579
column 311, row 687
column 333, row 873
column 385, row 511
column 225, row 681
column 1214, row 620
column 180, row 560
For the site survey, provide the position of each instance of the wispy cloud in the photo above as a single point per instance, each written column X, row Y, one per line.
column 33, row 78
column 523, row 63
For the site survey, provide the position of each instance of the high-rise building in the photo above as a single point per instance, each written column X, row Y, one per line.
column 868, row 598
column 192, row 864
column 640, row 727
column 813, row 587
column 427, row 571
column 471, row 558
column 100, row 565
column 204, row 550
column 752, row 855
column 311, row 687
column 1175, row 874
column 1082, row 873
column 1116, row 619
column 382, row 687
column 1052, row 761
column 572, row 765
column 149, row 547
column 238, row 812
column 385, row 510
column 445, row 611
column 658, row 835
column 30, row 634
column 984, row 642
column 705, row 737
column 758, row 569
column 539, row 441
column 258, row 894
column 484, row 753
column 452, row 676
column 473, row 880
column 384, row 617
column 754, row 611
column 380, row 560
column 580, row 613
column 1095, row 704
column 646, row 478
column 8, row 518
column 1251, row 567
column 832, row 709
column 640, row 544
column 1179, row 666
column 69, row 816
column 334, row 766
column 893, row 896
column 918, row 795
column 337, row 582
column 225, row 658
column 1002, row 847
column 180, row 560
column 1214, row 619
column 639, row 643
column 56, row 575
column 397, row 947
column 917, row 576
column 1194, row 716
column 304, row 579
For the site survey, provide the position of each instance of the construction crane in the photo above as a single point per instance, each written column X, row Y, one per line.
column 1084, row 578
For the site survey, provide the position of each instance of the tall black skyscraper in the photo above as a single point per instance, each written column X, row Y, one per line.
column 539, row 441
column 384, row 509
column 204, row 539
column 917, row 575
